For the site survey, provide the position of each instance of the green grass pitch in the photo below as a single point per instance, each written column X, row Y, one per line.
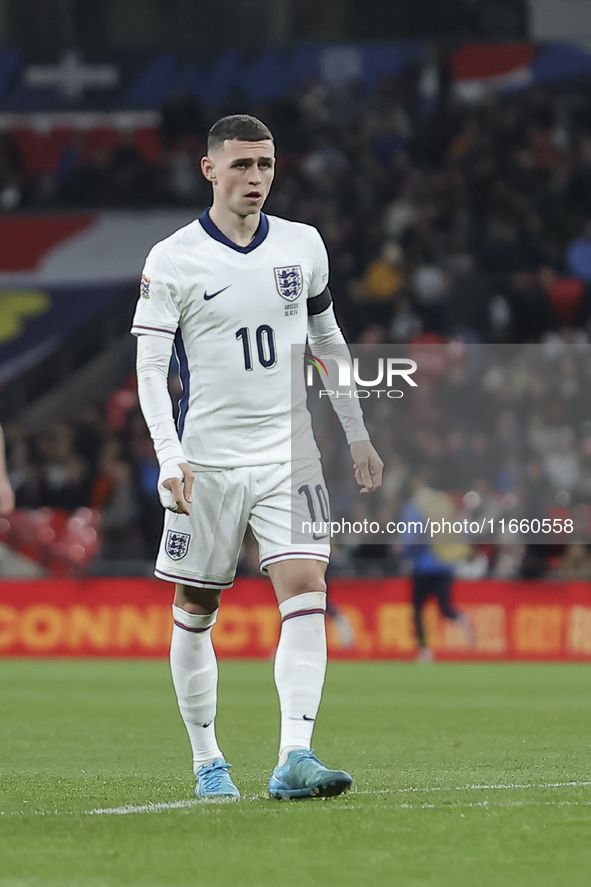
column 475, row 775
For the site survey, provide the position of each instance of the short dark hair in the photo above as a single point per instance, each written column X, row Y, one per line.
column 241, row 127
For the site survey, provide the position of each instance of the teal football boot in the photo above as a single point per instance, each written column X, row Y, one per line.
column 215, row 782
column 303, row 776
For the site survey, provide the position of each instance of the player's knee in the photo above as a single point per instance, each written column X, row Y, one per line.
column 307, row 582
column 197, row 601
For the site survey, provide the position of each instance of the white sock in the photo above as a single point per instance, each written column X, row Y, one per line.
column 300, row 667
column 194, row 669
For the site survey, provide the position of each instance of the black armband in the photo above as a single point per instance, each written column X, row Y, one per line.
column 319, row 303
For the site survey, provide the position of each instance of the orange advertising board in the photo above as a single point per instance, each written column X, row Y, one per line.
column 132, row 617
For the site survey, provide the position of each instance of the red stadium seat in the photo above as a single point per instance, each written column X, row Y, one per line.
column 65, row 544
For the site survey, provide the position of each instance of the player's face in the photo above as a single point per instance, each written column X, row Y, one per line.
column 241, row 174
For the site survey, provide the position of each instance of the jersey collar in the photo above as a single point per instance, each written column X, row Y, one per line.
column 212, row 229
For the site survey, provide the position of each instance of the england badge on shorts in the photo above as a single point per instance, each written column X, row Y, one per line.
column 290, row 282
column 177, row 544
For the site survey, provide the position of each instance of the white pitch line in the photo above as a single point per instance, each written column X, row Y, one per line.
column 465, row 788
column 487, row 804
column 482, row 804
column 161, row 807
column 142, row 808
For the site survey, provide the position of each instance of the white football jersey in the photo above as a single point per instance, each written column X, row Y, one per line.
column 234, row 314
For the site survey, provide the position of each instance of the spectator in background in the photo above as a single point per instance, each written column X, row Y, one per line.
column 469, row 298
column 430, row 285
column 113, row 493
column 578, row 255
column 183, row 178
column 70, row 159
column 325, row 164
column 374, row 294
column 90, row 437
column 181, row 117
column 10, row 173
column 531, row 310
column 6, row 491
column 24, row 471
column 128, row 171
column 578, row 187
column 64, row 475
column 90, row 183
column 146, row 470
column 503, row 252
column 575, row 563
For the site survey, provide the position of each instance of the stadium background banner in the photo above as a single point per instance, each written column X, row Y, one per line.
column 140, row 84
column 132, row 618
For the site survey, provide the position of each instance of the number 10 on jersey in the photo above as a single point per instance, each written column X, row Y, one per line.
column 265, row 339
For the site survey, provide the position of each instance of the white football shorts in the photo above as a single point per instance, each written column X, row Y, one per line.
column 286, row 505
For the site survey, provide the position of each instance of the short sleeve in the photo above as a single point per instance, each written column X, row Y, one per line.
column 157, row 312
column 319, row 280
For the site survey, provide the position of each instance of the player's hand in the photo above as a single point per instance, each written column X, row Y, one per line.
column 181, row 490
column 367, row 465
column 6, row 496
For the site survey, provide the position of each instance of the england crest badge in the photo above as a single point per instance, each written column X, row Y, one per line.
column 177, row 544
column 290, row 282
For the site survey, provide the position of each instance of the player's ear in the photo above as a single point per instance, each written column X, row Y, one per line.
column 207, row 168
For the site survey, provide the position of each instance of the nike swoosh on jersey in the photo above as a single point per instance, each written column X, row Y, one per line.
column 213, row 295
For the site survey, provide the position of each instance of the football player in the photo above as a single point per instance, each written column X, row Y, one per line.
column 239, row 294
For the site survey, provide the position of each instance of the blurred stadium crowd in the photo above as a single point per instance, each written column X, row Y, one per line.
column 443, row 221
column 450, row 219
column 504, row 430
